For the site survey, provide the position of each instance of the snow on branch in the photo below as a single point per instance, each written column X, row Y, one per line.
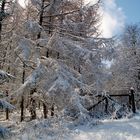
column 70, row 49
column 26, row 46
column 42, row 42
column 56, row 80
column 57, row 68
column 4, row 76
column 5, row 105
column 4, row 133
column 61, row 83
column 31, row 81
column 32, row 27
column 36, row 2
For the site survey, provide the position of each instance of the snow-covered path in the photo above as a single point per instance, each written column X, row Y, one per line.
column 124, row 129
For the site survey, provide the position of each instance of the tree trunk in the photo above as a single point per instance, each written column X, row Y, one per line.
column 41, row 18
column 33, row 105
column 22, row 98
column 45, row 110
column 1, row 15
column 133, row 101
column 52, row 110
column 106, row 105
column 22, row 109
column 7, row 111
column 1, row 18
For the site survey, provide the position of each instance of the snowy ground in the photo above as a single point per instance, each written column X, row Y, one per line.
column 124, row 129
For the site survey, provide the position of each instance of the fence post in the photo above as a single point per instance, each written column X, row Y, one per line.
column 106, row 105
column 133, row 100
column 129, row 100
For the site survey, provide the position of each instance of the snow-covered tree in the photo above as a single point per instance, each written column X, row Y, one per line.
column 4, row 77
column 65, row 76
column 125, row 69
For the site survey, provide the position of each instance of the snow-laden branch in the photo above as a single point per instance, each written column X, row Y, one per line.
column 70, row 49
column 5, row 105
column 4, row 133
column 32, row 27
column 4, row 76
column 25, row 48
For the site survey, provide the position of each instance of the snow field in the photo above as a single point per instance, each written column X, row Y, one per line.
column 124, row 129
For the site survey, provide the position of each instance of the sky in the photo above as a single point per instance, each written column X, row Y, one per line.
column 115, row 15
column 118, row 13
column 131, row 10
column 113, row 18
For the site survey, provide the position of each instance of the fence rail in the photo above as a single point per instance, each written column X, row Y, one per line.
column 107, row 97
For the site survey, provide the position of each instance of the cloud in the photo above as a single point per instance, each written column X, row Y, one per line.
column 23, row 3
column 113, row 19
column 90, row 1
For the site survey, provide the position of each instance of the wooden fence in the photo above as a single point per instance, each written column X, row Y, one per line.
column 131, row 100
